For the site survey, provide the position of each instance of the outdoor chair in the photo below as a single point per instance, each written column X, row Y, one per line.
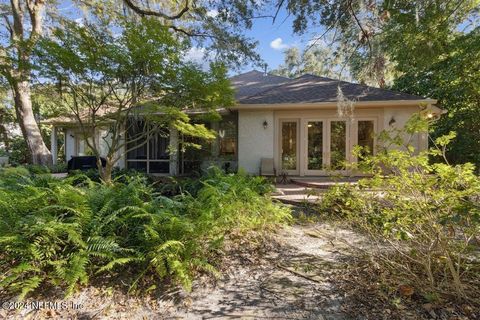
column 267, row 168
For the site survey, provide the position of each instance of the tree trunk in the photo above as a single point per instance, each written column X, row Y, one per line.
column 105, row 173
column 31, row 132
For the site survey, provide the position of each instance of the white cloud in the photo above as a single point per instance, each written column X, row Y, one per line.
column 196, row 55
column 199, row 56
column 80, row 22
column 212, row 13
column 278, row 44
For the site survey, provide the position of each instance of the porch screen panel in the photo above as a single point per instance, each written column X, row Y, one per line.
column 147, row 154
column 159, row 146
column 315, row 145
column 136, row 146
column 158, row 153
column 289, row 145
column 338, row 145
column 137, row 165
column 366, row 137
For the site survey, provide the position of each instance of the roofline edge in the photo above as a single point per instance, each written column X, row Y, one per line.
column 312, row 105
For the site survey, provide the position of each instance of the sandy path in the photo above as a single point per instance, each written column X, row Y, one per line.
column 290, row 281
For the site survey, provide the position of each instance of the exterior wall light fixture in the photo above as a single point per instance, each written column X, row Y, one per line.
column 392, row 121
column 265, row 124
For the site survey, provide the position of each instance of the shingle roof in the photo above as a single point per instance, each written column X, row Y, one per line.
column 253, row 82
column 255, row 88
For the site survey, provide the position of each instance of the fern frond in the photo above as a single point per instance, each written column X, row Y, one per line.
column 117, row 262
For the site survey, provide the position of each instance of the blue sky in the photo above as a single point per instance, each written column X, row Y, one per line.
column 273, row 38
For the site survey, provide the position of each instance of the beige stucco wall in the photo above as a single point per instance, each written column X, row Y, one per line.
column 74, row 148
column 69, row 144
column 254, row 141
column 401, row 115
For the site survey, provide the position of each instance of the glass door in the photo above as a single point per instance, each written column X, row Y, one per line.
column 366, row 138
column 315, row 148
column 289, row 146
column 338, row 145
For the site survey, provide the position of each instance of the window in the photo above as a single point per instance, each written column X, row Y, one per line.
column 227, row 136
column 338, row 145
column 289, row 145
column 81, row 145
column 315, row 145
column 366, row 137
column 147, row 154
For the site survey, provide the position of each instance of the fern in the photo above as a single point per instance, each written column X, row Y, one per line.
column 63, row 232
column 29, row 285
column 117, row 262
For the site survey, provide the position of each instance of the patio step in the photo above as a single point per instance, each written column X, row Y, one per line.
column 323, row 182
column 295, row 194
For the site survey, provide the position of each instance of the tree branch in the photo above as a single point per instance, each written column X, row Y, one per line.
column 364, row 32
column 148, row 12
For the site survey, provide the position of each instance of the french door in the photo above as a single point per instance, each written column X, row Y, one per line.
column 326, row 147
column 289, row 146
column 323, row 146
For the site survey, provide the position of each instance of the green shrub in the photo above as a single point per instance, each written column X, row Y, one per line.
column 60, row 167
column 63, row 232
column 117, row 174
column 424, row 216
column 36, row 168
column 258, row 184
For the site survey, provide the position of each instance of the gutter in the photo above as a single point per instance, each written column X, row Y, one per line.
column 333, row 104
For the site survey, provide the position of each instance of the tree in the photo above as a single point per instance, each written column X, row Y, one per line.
column 111, row 81
column 455, row 81
column 428, row 48
column 24, row 22
column 316, row 59
column 384, row 38
column 6, row 118
column 216, row 26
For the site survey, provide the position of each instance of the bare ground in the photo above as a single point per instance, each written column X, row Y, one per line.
column 295, row 276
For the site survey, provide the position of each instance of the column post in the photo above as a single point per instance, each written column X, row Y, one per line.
column 54, row 145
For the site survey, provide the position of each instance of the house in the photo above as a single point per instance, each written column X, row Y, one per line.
column 295, row 122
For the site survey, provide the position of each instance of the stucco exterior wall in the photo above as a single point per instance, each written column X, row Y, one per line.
column 254, row 141
column 75, row 148
column 398, row 117
column 69, row 144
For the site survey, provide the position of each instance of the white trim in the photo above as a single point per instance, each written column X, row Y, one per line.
column 302, row 121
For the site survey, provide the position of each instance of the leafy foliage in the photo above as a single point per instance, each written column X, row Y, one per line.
column 425, row 218
column 455, row 81
column 64, row 232
column 136, row 74
column 386, row 38
column 316, row 59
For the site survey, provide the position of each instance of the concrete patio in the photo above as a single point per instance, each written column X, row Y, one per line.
column 300, row 190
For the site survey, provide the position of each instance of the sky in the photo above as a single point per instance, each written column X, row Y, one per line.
column 273, row 38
